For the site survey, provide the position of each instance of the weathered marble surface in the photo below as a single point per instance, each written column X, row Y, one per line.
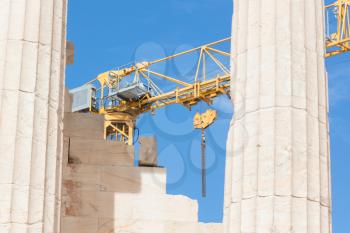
column 278, row 162
column 148, row 153
column 32, row 63
column 103, row 192
column 100, row 152
column 83, row 125
column 92, row 225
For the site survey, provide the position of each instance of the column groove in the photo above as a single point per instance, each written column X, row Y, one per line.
column 277, row 174
column 31, row 84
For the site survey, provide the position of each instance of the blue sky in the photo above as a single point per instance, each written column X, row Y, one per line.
column 111, row 33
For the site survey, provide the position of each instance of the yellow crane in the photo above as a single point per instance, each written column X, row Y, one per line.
column 338, row 19
column 122, row 102
column 124, row 94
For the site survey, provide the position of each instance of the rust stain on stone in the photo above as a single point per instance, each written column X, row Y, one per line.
column 73, row 160
column 73, row 202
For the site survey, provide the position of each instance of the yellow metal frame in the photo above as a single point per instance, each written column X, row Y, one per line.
column 120, row 119
column 121, row 126
column 187, row 96
column 339, row 41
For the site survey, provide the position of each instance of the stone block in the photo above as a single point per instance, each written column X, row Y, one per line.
column 146, row 226
column 5, row 227
column 282, row 214
column 100, row 152
column 211, row 228
column 115, row 178
column 148, row 152
column 5, row 203
column 83, row 177
column 248, row 216
column 145, row 180
column 107, row 225
column 83, row 125
column 79, row 203
column 146, row 207
column 155, row 226
column 79, row 225
column 300, row 215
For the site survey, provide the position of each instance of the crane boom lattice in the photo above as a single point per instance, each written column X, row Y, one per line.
column 125, row 93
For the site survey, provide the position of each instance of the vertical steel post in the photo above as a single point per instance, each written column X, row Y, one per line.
column 203, row 148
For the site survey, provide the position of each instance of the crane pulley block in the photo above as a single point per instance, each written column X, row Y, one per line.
column 202, row 121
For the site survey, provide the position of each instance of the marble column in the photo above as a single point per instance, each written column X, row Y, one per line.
column 278, row 161
column 32, row 63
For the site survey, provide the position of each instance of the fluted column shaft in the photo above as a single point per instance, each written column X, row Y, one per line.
column 278, row 163
column 32, row 49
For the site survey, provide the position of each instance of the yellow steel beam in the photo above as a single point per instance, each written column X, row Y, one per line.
column 339, row 41
column 198, row 65
column 121, row 131
column 222, row 66
column 219, row 52
column 191, row 50
column 169, row 78
column 189, row 94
